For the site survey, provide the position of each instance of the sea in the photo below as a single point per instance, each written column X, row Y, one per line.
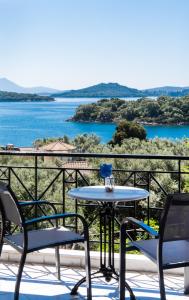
column 21, row 123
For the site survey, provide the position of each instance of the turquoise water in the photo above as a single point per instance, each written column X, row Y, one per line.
column 23, row 123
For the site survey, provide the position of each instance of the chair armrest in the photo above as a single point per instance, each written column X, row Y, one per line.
column 55, row 217
column 37, row 202
column 85, row 231
column 142, row 225
column 33, row 202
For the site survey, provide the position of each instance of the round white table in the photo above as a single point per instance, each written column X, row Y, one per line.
column 98, row 193
column 107, row 202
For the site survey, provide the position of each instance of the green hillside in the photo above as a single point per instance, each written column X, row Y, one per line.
column 102, row 90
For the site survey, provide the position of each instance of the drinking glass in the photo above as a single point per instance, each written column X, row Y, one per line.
column 109, row 183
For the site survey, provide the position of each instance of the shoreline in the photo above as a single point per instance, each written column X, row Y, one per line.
column 141, row 123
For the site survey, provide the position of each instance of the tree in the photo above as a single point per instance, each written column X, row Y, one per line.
column 126, row 130
column 86, row 142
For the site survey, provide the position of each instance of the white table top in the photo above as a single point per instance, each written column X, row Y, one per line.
column 98, row 193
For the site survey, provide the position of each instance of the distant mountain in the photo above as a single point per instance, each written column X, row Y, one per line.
column 102, row 90
column 167, row 91
column 9, row 86
column 115, row 90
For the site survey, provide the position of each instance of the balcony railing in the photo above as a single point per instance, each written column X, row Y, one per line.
column 43, row 175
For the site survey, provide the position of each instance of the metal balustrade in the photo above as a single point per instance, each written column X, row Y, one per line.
column 66, row 178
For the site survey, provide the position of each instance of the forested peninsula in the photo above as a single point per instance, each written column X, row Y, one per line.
column 163, row 110
column 21, row 97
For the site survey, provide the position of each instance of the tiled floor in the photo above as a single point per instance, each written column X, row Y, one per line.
column 40, row 283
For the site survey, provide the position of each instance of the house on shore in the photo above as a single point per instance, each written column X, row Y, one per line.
column 58, row 146
column 51, row 147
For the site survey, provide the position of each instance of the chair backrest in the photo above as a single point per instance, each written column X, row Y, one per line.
column 174, row 224
column 9, row 206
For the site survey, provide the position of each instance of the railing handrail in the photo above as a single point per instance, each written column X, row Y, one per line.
column 92, row 155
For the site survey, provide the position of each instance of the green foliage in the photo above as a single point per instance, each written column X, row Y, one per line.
column 164, row 110
column 126, row 130
column 86, row 142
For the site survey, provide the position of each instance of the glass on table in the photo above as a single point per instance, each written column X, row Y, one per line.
column 109, row 183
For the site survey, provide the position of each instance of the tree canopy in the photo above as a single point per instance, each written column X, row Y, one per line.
column 126, row 130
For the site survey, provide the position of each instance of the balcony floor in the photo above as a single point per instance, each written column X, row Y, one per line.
column 39, row 282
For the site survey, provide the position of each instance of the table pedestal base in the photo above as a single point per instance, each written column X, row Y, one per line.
column 108, row 274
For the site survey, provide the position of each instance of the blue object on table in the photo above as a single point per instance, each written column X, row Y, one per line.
column 105, row 170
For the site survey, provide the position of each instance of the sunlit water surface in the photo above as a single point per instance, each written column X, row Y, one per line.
column 21, row 123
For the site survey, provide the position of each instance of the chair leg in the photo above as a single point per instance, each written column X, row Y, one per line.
column 122, row 264
column 2, row 233
column 161, row 283
column 1, row 243
column 88, row 270
column 19, row 275
column 186, row 280
column 57, row 259
column 1, row 247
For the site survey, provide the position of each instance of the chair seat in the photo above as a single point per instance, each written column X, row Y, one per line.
column 174, row 252
column 43, row 238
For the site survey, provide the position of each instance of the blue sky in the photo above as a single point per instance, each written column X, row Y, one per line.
column 69, row 44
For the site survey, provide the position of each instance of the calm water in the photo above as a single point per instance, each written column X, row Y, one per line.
column 23, row 123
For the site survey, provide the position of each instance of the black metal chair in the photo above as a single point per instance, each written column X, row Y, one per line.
column 27, row 240
column 170, row 247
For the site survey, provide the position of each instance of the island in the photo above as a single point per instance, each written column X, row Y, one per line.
column 163, row 110
column 22, row 97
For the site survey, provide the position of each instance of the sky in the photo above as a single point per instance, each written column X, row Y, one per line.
column 71, row 44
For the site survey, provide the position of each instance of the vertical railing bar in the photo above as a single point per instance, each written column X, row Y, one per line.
column 148, row 206
column 36, row 186
column 179, row 174
column 113, row 233
column 76, row 202
column 105, row 235
column 9, row 182
column 9, row 176
column 63, row 195
column 110, row 220
column 36, row 178
column 101, row 240
column 134, row 183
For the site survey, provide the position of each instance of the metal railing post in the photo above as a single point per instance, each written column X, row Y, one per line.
column 179, row 174
column 36, row 186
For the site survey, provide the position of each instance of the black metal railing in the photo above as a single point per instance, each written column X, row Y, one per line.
column 38, row 175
